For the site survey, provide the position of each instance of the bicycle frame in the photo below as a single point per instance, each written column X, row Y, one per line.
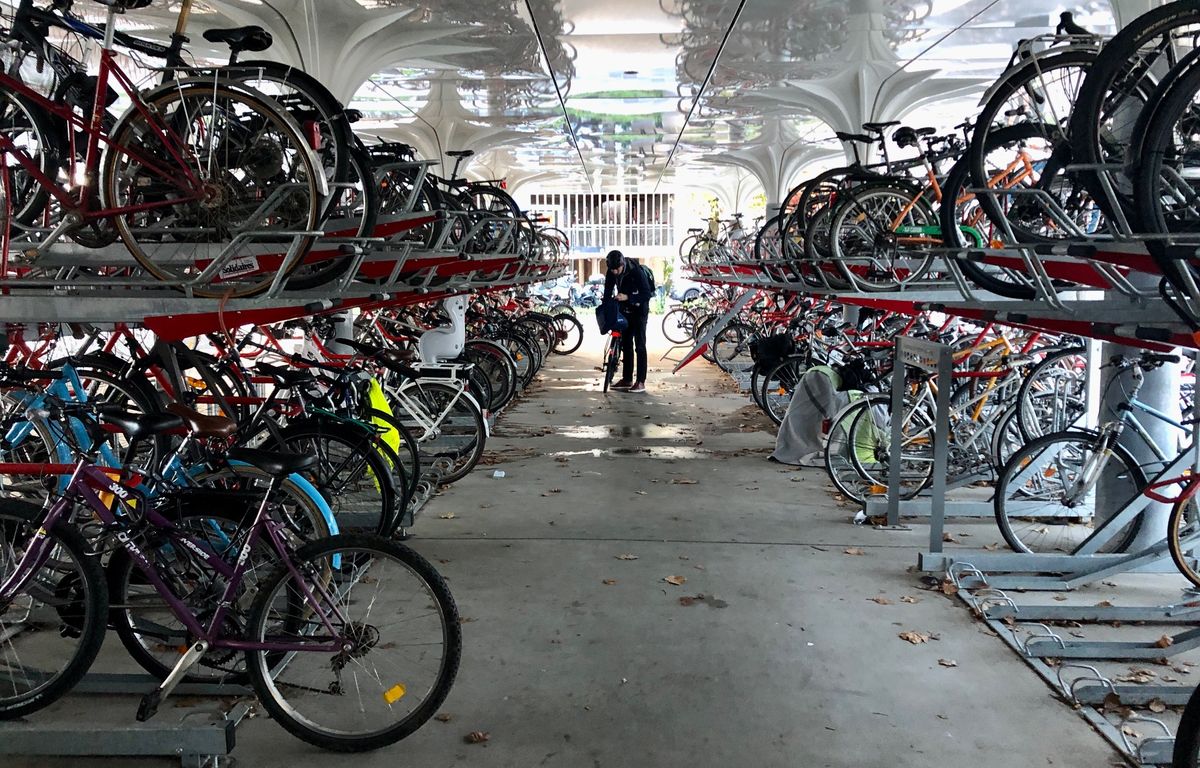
column 87, row 482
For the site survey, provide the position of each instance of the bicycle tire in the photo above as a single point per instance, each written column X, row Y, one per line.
column 568, row 334
column 851, row 217
column 244, row 275
column 1005, row 515
column 1186, row 752
column 497, row 363
column 1030, row 425
column 269, row 679
column 865, row 431
column 465, row 445
column 29, row 198
column 1183, row 538
column 82, row 614
column 781, row 379
column 677, row 330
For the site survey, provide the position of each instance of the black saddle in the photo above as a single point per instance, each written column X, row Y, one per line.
column 879, row 127
column 251, row 38
column 274, row 463
column 460, row 153
column 286, row 377
column 859, row 137
column 122, row 6
column 138, row 425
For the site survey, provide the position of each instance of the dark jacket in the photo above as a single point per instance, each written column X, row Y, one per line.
column 632, row 283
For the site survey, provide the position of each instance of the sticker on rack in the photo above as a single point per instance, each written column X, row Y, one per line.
column 243, row 265
column 395, row 693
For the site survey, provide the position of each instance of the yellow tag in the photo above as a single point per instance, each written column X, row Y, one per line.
column 394, row 694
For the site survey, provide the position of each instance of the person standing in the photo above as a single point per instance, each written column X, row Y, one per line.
column 626, row 282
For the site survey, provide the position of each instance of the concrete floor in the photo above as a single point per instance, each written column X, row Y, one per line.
column 576, row 657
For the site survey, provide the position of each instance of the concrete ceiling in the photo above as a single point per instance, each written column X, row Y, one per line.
column 628, row 94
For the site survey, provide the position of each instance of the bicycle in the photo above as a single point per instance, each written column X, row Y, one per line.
column 307, row 658
column 158, row 183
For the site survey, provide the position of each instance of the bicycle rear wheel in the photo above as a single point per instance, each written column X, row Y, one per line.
column 459, row 436
column 1183, row 538
column 53, row 626
column 398, row 631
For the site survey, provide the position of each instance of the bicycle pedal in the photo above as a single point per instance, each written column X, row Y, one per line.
column 148, row 706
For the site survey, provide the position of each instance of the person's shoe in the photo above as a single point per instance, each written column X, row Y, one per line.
column 639, row 388
column 621, row 385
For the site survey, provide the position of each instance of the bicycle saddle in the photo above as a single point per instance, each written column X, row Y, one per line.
column 274, row 463
column 122, row 6
column 285, row 377
column 199, row 424
column 879, row 127
column 460, row 153
column 843, row 136
column 139, row 425
column 251, row 38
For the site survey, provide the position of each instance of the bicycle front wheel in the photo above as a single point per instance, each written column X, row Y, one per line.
column 213, row 189
column 1183, row 538
column 389, row 661
column 1044, row 502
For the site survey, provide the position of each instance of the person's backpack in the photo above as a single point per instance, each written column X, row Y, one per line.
column 649, row 278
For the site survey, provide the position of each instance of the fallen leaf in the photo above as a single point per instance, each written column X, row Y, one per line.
column 1139, row 676
column 1157, row 706
column 1182, row 670
column 1060, row 598
column 948, row 662
column 627, row 557
column 682, row 481
column 949, row 538
column 443, row 717
column 1129, row 731
column 853, row 551
column 1169, row 679
column 676, row 580
column 1166, row 641
column 448, row 516
column 949, row 587
column 609, row 582
column 1104, row 604
column 640, row 493
column 991, row 547
column 1112, row 700
column 880, row 600
column 916, row 638
column 477, row 737
column 910, row 599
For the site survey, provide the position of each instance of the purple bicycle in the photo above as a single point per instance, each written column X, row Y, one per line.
column 351, row 641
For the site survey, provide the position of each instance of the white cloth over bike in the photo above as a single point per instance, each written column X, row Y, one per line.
column 800, row 440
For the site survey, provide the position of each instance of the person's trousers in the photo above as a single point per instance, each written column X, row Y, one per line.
column 634, row 337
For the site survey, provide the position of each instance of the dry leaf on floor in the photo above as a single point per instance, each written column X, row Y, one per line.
column 916, row 638
column 949, row 538
column 853, row 551
column 1157, row 706
column 688, row 600
column 1112, row 701
column 1060, row 598
column 910, row 599
column 948, row 662
column 448, row 516
column 1104, row 604
column 991, row 547
column 1182, row 670
column 609, row 582
column 880, row 600
column 640, row 493
column 683, row 481
column 1166, row 641
column 1139, row 676
column 477, row 737
column 443, row 717
column 626, row 557
column 676, row 580
column 1169, row 679
column 949, row 587
column 1130, row 732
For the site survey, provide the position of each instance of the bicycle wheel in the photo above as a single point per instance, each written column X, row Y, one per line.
column 1051, row 398
column 677, row 325
column 612, row 360
column 32, row 132
column 218, row 174
column 777, row 385
column 870, row 440
column 568, row 334
column 351, row 473
column 497, row 364
column 880, row 236
column 53, row 625
column 396, row 638
column 1119, row 85
column 731, row 347
column 1038, row 506
column 456, row 434
column 840, row 448
column 1183, row 538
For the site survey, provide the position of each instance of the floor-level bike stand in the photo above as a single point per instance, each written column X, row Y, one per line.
column 200, row 737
